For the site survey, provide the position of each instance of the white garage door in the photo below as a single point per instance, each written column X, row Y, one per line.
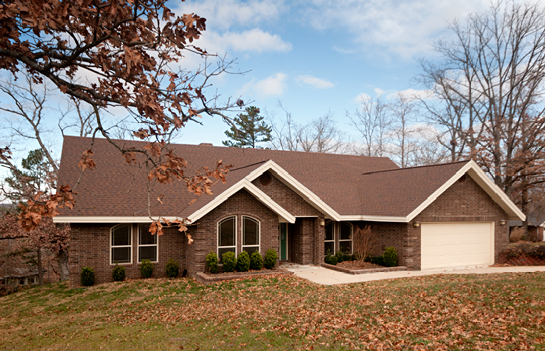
column 457, row 244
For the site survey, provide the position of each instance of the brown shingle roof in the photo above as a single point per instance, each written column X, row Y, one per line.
column 117, row 189
column 398, row 192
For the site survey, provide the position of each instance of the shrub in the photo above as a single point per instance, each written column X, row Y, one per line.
column 330, row 259
column 390, row 257
column 119, row 273
column 348, row 257
column 339, row 256
column 229, row 261
column 270, row 259
column 212, row 262
column 256, row 261
column 379, row 260
column 87, row 276
column 517, row 234
column 146, row 268
column 172, row 269
column 243, row 262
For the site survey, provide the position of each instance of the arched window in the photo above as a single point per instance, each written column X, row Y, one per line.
column 227, row 236
column 345, row 239
column 121, row 244
column 250, row 234
column 329, row 239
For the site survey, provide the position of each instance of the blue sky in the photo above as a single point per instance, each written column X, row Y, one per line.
column 319, row 56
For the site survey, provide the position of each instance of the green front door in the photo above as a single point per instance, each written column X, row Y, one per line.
column 283, row 241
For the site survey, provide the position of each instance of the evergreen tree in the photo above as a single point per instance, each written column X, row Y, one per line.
column 250, row 130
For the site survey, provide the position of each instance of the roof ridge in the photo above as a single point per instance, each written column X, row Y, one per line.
column 402, row 169
column 250, row 165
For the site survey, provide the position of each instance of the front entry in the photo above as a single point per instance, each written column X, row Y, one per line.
column 283, row 241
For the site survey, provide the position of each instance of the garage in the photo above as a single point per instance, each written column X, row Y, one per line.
column 457, row 244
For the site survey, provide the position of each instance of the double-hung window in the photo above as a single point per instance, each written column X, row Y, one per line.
column 250, row 235
column 227, row 234
column 147, row 244
column 121, row 244
column 345, row 239
column 329, row 239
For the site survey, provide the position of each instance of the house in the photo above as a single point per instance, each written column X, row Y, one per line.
column 300, row 204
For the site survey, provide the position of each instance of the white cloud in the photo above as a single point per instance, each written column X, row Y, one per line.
column 405, row 28
column 254, row 40
column 314, row 82
column 222, row 15
column 362, row 98
column 412, row 94
column 378, row 91
column 269, row 87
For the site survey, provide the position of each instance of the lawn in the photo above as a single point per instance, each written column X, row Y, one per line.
column 504, row 311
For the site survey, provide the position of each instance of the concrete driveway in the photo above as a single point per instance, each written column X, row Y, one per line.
column 324, row 276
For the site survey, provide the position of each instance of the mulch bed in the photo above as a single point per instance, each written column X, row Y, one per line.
column 358, row 265
column 209, row 278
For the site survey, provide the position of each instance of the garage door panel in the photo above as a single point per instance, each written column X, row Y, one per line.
column 456, row 244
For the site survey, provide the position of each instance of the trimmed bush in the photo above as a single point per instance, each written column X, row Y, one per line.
column 243, row 262
column 172, row 269
column 348, row 257
column 146, row 268
column 212, row 262
column 270, row 259
column 330, row 259
column 87, row 276
column 256, row 261
column 229, row 261
column 119, row 273
column 340, row 256
column 390, row 257
column 379, row 260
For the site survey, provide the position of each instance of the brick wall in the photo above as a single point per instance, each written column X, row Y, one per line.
column 240, row 204
column 90, row 247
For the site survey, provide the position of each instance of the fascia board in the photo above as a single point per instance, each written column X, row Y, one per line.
column 106, row 219
column 242, row 184
column 374, row 218
column 295, row 185
column 486, row 183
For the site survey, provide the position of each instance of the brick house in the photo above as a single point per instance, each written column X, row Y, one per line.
column 300, row 204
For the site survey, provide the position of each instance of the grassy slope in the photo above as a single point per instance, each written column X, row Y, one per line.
column 437, row 312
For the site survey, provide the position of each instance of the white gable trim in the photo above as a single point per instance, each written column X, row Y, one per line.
column 374, row 218
column 480, row 177
column 252, row 189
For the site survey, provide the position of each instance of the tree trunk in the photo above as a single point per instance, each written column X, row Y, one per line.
column 40, row 269
column 62, row 259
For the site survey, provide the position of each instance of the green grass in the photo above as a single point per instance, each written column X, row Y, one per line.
column 504, row 311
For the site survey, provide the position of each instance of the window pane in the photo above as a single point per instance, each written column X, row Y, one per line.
column 250, row 250
column 346, row 246
column 251, row 232
column 329, row 231
column 331, row 247
column 346, row 231
column 121, row 255
column 121, row 235
column 147, row 253
column 227, row 232
column 222, row 251
column 145, row 236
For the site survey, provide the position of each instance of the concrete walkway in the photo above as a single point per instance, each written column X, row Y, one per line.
column 324, row 276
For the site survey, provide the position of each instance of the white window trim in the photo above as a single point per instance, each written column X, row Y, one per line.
column 330, row 241
column 351, row 236
column 138, row 246
column 259, row 233
column 218, row 236
column 119, row 246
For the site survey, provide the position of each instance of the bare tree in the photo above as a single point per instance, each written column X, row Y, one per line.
column 320, row 135
column 364, row 242
column 490, row 86
column 373, row 122
column 403, row 134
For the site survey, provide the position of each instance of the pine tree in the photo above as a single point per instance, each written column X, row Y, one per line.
column 250, row 130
